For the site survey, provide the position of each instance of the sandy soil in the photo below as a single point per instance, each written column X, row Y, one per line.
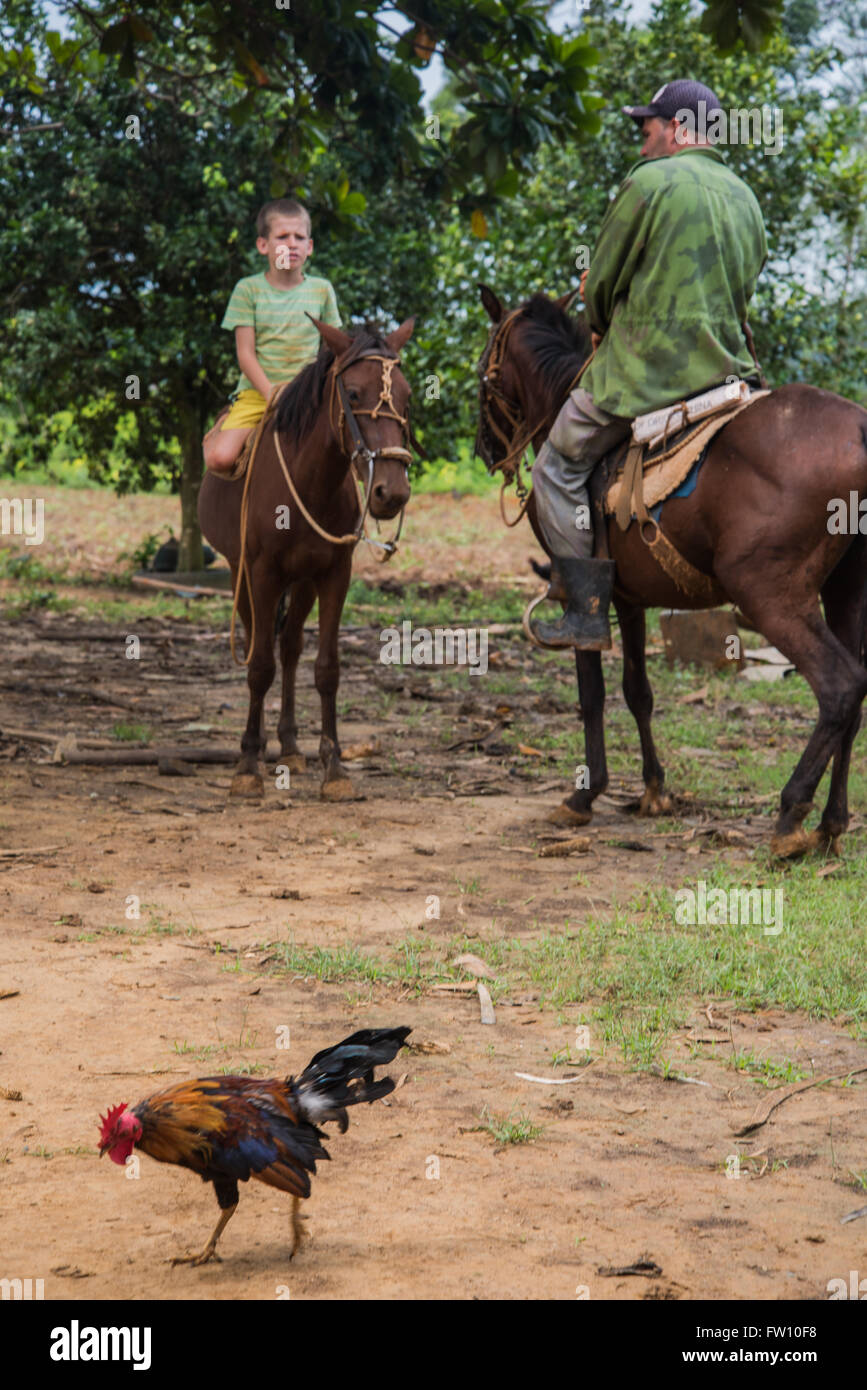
column 96, row 1008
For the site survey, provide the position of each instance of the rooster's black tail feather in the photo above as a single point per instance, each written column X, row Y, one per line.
column 343, row 1075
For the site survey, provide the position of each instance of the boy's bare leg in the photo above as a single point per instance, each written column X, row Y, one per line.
column 222, row 447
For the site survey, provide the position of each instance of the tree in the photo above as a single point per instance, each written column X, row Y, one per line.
column 140, row 144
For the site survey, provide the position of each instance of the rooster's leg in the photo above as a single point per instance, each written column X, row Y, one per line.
column 297, row 1229
column 210, row 1250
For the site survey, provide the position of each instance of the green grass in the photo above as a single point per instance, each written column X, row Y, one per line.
column 131, row 733
column 769, row 1072
column 348, row 963
column 456, row 606
column 637, row 973
column 201, row 1051
column 514, row 1128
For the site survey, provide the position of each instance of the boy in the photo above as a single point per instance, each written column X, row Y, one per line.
column 274, row 338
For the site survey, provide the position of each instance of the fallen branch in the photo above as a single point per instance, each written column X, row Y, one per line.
column 29, row 735
column 138, row 757
column 29, row 853
column 552, row 1080
column 646, row 1268
column 853, row 1215
column 561, row 849
column 766, row 1107
column 81, row 692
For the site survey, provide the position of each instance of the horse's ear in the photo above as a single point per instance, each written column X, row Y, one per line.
column 565, row 300
column 491, row 303
column 402, row 335
column 336, row 339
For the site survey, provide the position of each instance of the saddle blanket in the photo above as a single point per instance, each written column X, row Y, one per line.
column 672, row 467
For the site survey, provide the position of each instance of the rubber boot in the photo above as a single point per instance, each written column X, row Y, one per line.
column 584, row 625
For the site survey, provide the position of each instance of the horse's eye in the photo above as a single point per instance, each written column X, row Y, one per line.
column 353, row 394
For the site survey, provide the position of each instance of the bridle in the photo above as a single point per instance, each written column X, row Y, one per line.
column 517, row 437
column 341, row 417
column 385, row 409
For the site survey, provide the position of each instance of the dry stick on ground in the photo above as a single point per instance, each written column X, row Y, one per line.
column 853, row 1215
column 29, row 853
column 121, row 757
column 765, row 1107
column 83, row 692
column 29, row 735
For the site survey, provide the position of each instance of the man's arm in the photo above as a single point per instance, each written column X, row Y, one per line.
column 245, row 346
column 622, row 239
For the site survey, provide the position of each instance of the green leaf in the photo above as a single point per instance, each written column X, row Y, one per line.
column 508, row 184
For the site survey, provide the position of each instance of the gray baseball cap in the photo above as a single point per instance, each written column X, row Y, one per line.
column 683, row 95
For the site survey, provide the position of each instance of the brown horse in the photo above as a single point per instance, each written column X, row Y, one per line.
column 757, row 522
column 315, row 423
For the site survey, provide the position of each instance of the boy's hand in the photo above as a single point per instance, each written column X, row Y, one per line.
column 584, row 274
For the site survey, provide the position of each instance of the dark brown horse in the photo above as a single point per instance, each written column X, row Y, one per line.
column 757, row 523
column 314, row 432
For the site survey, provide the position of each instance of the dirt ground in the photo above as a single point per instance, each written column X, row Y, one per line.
column 420, row 1200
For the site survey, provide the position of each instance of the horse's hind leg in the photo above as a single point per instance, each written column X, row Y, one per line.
column 838, row 681
column 639, row 698
column 248, row 783
column 332, row 588
column 845, row 598
column 302, row 596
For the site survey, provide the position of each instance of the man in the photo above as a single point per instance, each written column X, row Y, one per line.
column 678, row 256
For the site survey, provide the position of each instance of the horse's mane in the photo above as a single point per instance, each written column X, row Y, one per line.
column 301, row 402
column 559, row 343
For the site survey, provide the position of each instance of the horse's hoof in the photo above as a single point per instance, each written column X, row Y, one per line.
column 654, row 803
column 793, row 845
column 247, row 786
column 565, row 815
column 825, row 841
column 294, row 762
column 341, row 789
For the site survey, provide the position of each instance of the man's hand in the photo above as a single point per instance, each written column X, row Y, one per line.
column 595, row 340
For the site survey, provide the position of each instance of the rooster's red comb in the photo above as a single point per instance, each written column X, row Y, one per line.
column 108, row 1122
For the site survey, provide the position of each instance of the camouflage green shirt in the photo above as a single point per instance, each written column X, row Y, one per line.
column 674, row 269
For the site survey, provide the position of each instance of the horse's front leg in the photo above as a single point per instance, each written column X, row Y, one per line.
column 639, row 698
column 302, row 596
column 592, row 778
column 248, row 782
column 336, row 785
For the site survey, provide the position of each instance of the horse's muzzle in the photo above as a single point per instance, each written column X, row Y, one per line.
column 387, row 499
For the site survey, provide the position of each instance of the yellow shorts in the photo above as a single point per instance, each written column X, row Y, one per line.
column 245, row 411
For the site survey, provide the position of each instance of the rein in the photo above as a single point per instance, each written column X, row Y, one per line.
column 360, row 455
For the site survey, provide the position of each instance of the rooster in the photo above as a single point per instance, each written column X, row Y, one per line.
column 230, row 1128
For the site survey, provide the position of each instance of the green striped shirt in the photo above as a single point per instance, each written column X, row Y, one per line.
column 286, row 340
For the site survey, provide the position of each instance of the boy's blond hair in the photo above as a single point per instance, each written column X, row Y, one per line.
column 280, row 207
